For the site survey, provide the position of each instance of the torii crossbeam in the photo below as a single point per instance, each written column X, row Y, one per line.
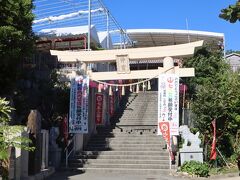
column 140, row 54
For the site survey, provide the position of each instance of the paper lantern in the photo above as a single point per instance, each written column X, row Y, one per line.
column 149, row 85
column 99, row 88
column 123, row 90
column 110, row 90
column 137, row 90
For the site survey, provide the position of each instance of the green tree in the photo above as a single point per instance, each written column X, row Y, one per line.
column 16, row 39
column 10, row 136
column 215, row 93
column 231, row 13
column 219, row 100
column 208, row 67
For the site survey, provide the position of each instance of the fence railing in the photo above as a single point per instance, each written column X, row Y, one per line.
column 67, row 151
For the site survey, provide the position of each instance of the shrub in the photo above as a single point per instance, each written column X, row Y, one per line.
column 195, row 168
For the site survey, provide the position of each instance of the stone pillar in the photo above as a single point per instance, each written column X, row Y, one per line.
column 24, row 159
column 34, row 128
column 21, row 160
column 83, row 68
column 168, row 63
column 45, row 141
column 78, row 143
column 54, row 150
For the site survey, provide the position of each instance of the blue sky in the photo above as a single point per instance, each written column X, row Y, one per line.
column 202, row 15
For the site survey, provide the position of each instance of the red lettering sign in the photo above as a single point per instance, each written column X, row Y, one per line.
column 99, row 109
column 111, row 105
column 165, row 130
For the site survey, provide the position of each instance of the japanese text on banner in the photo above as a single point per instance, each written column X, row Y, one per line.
column 168, row 102
column 99, row 109
column 78, row 118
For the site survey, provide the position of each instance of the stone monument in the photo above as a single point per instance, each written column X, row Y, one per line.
column 54, row 149
column 34, row 129
column 191, row 147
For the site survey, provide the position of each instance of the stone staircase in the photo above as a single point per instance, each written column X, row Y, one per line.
column 130, row 145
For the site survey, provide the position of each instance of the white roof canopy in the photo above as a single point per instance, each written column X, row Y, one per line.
column 70, row 31
column 164, row 37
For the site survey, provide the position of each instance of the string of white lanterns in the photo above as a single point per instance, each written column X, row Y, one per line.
column 131, row 85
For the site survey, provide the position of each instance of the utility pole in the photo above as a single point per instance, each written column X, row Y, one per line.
column 89, row 25
column 107, row 13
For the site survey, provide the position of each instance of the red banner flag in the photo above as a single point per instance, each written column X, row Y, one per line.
column 111, row 105
column 213, row 154
column 99, row 109
column 165, row 130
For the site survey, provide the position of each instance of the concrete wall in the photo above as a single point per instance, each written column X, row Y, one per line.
column 234, row 61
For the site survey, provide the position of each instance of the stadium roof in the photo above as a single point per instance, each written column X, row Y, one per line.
column 163, row 37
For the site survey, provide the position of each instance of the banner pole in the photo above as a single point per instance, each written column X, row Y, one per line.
column 223, row 158
column 169, row 151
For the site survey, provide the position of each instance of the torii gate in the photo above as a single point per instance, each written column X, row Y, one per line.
column 140, row 54
column 167, row 53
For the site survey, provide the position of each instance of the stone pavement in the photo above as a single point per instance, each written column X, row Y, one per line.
column 78, row 175
column 74, row 175
column 230, row 178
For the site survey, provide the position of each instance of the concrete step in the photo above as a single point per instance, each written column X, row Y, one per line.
column 96, row 164
column 136, row 149
column 128, row 166
column 121, row 171
column 126, row 143
column 128, row 135
column 143, row 153
column 123, row 157
column 136, row 138
column 138, row 122
column 119, row 145
column 127, row 132
column 136, row 131
column 132, row 147
column 140, row 119
column 135, row 124
column 117, row 161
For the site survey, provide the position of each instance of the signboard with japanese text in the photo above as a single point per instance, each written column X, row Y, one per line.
column 168, row 102
column 165, row 130
column 122, row 62
column 78, row 116
column 111, row 105
column 99, row 109
column 84, row 116
column 73, row 109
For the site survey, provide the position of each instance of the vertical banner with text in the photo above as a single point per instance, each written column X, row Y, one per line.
column 72, row 107
column 111, row 105
column 78, row 116
column 168, row 102
column 99, row 109
column 85, row 94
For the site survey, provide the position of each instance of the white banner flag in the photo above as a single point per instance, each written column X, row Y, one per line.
column 168, row 102
column 78, row 116
column 72, row 106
